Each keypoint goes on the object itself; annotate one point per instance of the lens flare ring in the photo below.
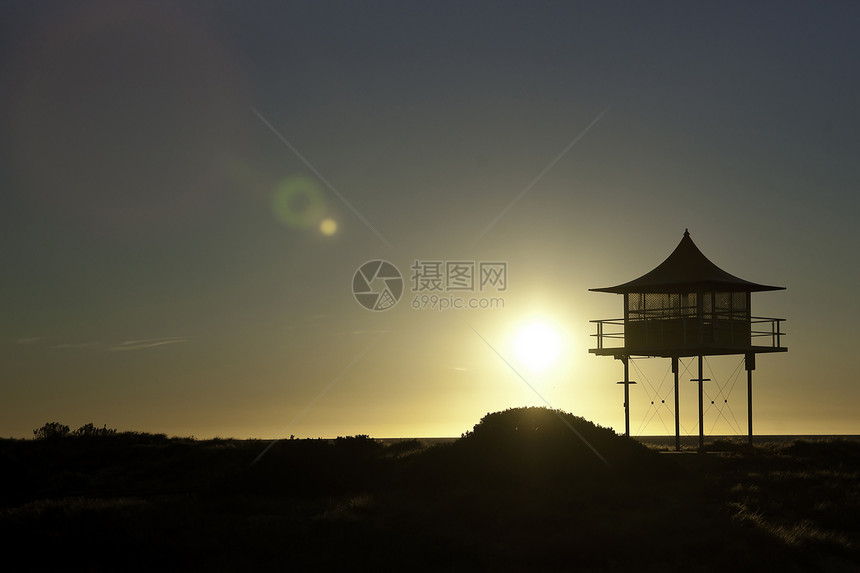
(298, 202)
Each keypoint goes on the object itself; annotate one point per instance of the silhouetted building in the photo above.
(687, 306)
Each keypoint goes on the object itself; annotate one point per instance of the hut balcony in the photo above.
(688, 336)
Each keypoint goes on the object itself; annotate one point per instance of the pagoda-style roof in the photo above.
(687, 270)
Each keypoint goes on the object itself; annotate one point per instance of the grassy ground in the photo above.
(520, 493)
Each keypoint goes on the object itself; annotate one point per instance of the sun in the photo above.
(537, 346)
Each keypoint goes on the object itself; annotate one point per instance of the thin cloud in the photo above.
(369, 331)
(149, 343)
(75, 345)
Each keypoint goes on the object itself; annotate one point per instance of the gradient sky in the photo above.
(149, 284)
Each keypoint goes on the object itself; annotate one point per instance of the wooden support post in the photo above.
(701, 409)
(677, 410)
(626, 396)
(701, 379)
(749, 361)
(627, 382)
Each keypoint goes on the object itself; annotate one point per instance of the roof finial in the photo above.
(686, 233)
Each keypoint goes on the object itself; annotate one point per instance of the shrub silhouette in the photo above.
(358, 449)
(315, 466)
(51, 431)
(536, 446)
(404, 448)
(90, 431)
(54, 430)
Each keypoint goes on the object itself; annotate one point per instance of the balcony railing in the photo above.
(762, 328)
(615, 334)
(679, 333)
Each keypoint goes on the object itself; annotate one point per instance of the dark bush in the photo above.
(90, 431)
(310, 467)
(404, 448)
(538, 447)
(361, 446)
(51, 431)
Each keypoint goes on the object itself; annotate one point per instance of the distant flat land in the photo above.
(693, 441)
(686, 441)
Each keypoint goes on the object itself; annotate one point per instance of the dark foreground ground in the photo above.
(519, 493)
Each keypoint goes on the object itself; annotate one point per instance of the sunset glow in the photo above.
(538, 346)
